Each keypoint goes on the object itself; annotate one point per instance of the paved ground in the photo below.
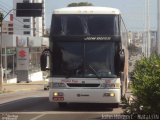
(28, 101)
(23, 86)
(35, 105)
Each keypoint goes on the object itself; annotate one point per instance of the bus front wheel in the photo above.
(115, 105)
(62, 105)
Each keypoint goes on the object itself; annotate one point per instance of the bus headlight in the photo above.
(109, 94)
(57, 85)
(55, 94)
(111, 85)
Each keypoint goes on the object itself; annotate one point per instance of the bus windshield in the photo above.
(88, 59)
(85, 25)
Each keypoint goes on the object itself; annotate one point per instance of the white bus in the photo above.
(88, 56)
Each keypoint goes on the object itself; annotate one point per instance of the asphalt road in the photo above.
(34, 105)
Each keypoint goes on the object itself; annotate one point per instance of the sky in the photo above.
(133, 11)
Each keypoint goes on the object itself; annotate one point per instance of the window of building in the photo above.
(26, 26)
(10, 33)
(10, 25)
(10, 29)
(26, 32)
(26, 20)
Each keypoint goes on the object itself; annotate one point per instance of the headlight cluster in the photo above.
(58, 94)
(111, 85)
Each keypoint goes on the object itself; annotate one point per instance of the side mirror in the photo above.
(122, 59)
(44, 61)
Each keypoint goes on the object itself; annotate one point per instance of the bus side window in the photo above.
(57, 27)
(74, 26)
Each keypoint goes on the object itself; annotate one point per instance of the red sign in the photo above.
(22, 58)
(22, 53)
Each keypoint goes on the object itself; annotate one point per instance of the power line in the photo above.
(4, 6)
(19, 20)
(7, 8)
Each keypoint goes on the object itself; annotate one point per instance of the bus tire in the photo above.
(62, 105)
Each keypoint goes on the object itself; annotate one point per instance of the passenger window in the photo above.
(100, 25)
(74, 26)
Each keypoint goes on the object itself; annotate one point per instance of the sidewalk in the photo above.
(14, 87)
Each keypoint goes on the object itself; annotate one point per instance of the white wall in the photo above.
(7, 41)
(33, 77)
(11, 41)
(45, 42)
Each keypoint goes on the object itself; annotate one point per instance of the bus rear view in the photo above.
(87, 56)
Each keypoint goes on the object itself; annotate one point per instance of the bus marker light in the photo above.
(106, 94)
(60, 94)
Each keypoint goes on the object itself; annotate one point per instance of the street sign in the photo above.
(29, 9)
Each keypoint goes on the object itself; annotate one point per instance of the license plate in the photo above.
(58, 98)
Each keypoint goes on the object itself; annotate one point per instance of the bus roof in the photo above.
(86, 10)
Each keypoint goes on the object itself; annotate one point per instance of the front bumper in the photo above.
(86, 95)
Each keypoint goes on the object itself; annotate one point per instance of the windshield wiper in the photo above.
(94, 71)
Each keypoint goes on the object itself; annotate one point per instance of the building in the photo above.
(28, 25)
(149, 46)
(10, 46)
(7, 26)
(18, 33)
(158, 27)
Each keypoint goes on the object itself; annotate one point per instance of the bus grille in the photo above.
(83, 85)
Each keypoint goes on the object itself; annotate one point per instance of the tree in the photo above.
(1, 18)
(80, 4)
(146, 86)
(72, 5)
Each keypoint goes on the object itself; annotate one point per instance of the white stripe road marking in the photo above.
(37, 117)
(60, 112)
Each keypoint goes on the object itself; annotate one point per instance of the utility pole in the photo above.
(148, 38)
(1, 67)
(34, 24)
(43, 24)
(1, 41)
(158, 27)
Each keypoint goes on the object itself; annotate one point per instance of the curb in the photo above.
(10, 88)
(25, 89)
(12, 91)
